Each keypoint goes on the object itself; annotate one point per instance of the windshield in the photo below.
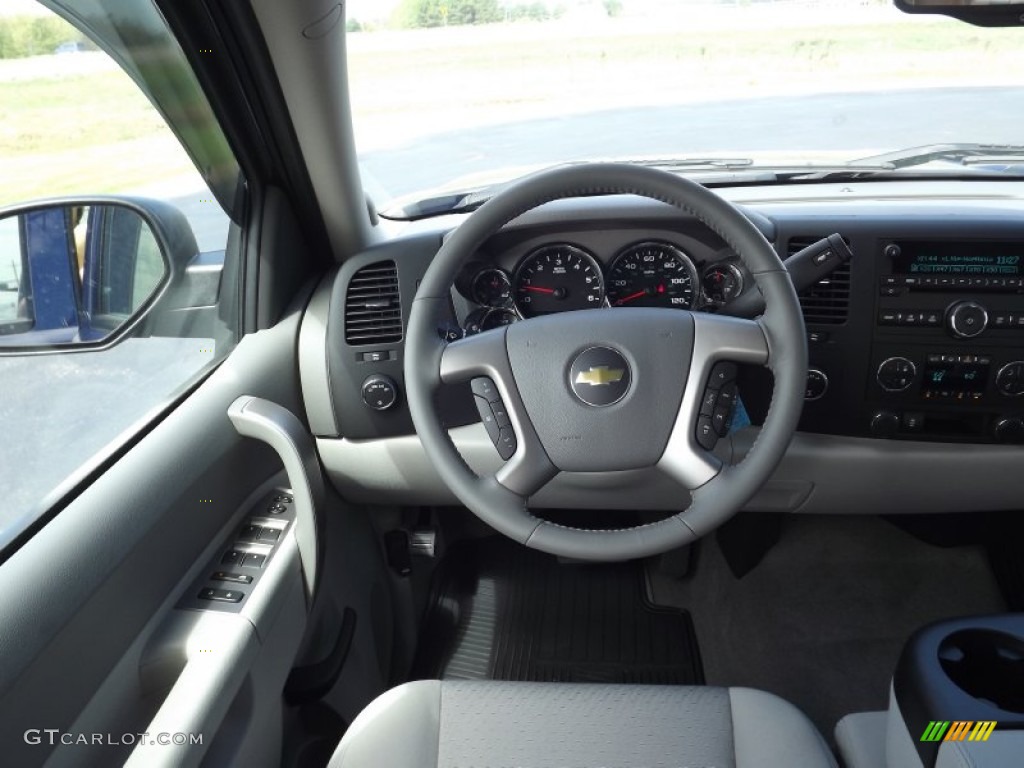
(460, 94)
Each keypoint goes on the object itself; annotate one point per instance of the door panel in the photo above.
(97, 583)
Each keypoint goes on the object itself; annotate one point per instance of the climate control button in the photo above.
(1010, 379)
(896, 374)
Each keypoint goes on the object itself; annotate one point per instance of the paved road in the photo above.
(853, 123)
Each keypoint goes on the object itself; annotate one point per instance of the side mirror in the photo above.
(85, 272)
(982, 13)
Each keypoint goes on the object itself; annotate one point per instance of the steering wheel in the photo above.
(576, 389)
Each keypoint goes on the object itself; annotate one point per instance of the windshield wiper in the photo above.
(965, 154)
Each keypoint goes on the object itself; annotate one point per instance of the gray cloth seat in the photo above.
(485, 724)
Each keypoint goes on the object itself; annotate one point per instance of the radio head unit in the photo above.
(952, 259)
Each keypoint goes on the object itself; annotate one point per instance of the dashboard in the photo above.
(916, 345)
(596, 269)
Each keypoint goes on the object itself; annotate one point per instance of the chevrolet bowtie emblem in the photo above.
(600, 376)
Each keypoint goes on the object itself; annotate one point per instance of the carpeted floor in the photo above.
(823, 617)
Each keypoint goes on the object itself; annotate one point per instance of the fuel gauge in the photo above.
(722, 283)
(491, 287)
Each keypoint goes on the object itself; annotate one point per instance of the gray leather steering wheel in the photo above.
(539, 367)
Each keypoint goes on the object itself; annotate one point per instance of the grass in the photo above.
(96, 133)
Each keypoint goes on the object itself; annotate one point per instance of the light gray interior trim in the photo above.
(819, 474)
(402, 724)
(314, 365)
(900, 751)
(769, 732)
(861, 739)
(906, 476)
(281, 430)
(220, 649)
(306, 41)
(1004, 748)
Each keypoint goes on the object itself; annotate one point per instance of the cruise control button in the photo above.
(727, 397)
(721, 374)
(487, 418)
(706, 437)
(506, 443)
(720, 420)
(485, 388)
(707, 406)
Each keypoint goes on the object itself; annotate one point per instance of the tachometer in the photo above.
(557, 278)
(652, 275)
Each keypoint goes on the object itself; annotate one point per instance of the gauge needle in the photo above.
(631, 297)
(538, 289)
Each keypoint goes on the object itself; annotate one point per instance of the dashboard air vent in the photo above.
(373, 310)
(827, 301)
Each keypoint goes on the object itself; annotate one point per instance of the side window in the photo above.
(120, 281)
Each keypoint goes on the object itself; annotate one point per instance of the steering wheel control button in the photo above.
(722, 374)
(1010, 379)
(600, 376)
(817, 385)
(706, 437)
(721, 419)
(500, 414)
(506, 443)
(487, 418)
(896, 374)
(967, 319)
(484, 387)
(707, 405)
(379, 392)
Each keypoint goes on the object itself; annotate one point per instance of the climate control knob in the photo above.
(1010, 379)
(1009, 430)
(896, 374)
(966, 319)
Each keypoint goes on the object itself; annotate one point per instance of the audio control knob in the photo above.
(896, 374)
(966, 319)
(1010, 379)
(379, 392)
(1009, 430)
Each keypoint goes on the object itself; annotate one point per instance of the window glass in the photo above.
(75, 123)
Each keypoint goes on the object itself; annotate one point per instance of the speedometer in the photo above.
(557, 278)
(652, 275)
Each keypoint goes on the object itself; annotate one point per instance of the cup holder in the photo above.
(986, 664)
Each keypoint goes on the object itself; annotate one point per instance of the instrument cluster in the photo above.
(559, 277)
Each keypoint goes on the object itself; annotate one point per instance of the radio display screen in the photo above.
(960, 259)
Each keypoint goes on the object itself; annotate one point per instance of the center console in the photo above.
(947, 352)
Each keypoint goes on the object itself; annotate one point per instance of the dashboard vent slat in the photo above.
(373, 306)
(827, 302)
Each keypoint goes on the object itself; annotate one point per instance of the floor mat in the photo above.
(504, 612)
(821, 621)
